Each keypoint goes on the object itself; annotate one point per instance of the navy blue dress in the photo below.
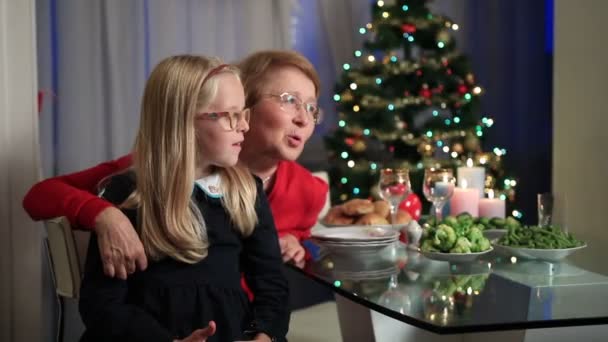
(170, 299)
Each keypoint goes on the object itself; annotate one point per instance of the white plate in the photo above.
(356, 233)
(355, 244)
(535, 253)
(454, 257)
(385, 226)
(494, 234)
(356, 250)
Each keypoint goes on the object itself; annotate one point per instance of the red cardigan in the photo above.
(296, 198)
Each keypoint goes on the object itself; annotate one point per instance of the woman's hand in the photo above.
(200, 335)
(292, 250)
(121, 250)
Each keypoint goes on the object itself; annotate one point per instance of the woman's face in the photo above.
(218, 144)
(278, 129)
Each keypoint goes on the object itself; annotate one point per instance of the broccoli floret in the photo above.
(428, 231)
(485, 221)
(497, 222)
(481, 245)
(475, 234)
(427, 246)
(445, 237)
(450, 221)
(465, 218)
(463, 245)
(512, 222)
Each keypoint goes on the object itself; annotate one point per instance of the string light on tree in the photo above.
(410, 97)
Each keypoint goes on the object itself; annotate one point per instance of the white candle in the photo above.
(474, 176)
(491, 207)
(465, 200)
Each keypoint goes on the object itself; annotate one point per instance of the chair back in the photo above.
(63, 258)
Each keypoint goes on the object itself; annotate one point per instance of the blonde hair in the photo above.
(255, 68)
(164, 160)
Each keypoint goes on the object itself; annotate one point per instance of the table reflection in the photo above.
(493, 291)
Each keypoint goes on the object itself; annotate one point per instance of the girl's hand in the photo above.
(200, 335)
(261, 337)
(121, 250)
(292, 250)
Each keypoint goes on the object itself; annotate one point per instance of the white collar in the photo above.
(211, 185)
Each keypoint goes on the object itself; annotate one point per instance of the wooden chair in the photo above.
(65, 264)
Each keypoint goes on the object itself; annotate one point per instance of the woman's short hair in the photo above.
(255, 67)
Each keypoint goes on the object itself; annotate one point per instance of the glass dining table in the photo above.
(399, 294)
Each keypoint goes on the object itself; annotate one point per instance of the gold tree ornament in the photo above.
(359, 146)
(426, 149)
(444, 36)
(471, 143)
(347, 96)
(457, 147)
(470, 78)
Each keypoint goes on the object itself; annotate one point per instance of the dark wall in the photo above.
(510, 46)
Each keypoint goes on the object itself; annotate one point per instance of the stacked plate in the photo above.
(355, 239)
(396, 227)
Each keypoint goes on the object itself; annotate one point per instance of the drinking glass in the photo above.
(395, 298)
(545, 209)
(394, 186)
(438, 187)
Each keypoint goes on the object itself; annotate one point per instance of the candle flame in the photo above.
(463, 183)
(470, 162)
(490, 193)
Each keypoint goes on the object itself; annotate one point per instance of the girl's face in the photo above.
(280, 126)
(219, 142)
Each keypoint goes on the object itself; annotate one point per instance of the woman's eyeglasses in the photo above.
(228, 120)
(291, 103)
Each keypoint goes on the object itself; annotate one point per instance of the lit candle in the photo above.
(465, 200)
(474, 176)
(491, 207)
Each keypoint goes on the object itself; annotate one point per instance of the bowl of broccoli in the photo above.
(454, 239)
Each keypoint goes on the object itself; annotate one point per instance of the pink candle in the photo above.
(465, 200)
(491, 207)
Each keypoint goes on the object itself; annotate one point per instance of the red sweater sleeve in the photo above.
(296, 200)
(72, 195)
(317, 195)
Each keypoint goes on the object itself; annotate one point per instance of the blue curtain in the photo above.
(510, 44)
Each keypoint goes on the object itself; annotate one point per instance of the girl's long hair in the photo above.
(165, 156)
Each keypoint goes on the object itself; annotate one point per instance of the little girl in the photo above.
(203, 220)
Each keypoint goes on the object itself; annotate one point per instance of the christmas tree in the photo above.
(408, 99)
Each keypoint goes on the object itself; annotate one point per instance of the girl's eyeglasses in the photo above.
(228, 120)
(291, 103)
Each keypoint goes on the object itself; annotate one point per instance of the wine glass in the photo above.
(438, 187)
(395, 298)
(394, 186)
(545, 209)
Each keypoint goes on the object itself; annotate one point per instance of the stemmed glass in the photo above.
(394, 298)
(394, 186)
(545, 209)
(438, 187)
